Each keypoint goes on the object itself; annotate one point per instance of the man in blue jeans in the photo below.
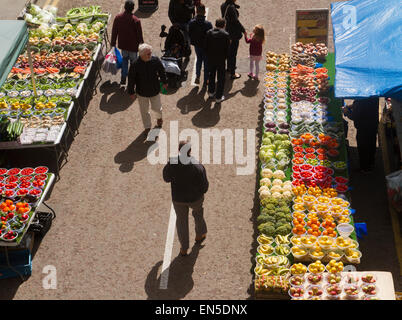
(128, 32)
(198, 28)
(216, 47)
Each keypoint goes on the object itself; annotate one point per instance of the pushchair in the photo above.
(176, 48)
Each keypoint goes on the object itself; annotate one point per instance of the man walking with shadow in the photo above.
(189, 183)
(216, 48)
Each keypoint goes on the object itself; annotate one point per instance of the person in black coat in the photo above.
(181, 12)
(365, 116)
(236, 30)
(189, 183)
(216, 48)
(198, 28)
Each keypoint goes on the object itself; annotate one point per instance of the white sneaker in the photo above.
(211, 95)
(220, 100)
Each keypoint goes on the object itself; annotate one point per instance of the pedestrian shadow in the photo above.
(135, 152)
(208, 116)
(193, 101)
(250, 88)
(114, 98)
(143, 14)
(180, 281)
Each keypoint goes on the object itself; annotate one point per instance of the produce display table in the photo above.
(49, 182)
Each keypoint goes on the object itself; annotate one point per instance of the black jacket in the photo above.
(180, 12)
(188, 181)
(144, 77)
(231, 15)
(217, 46)
(198, 28)
(365, 114)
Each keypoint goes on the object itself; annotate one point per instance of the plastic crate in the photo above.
(20, 260)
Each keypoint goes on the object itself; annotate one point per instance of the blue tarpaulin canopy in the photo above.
(368, 48)
(13, 38)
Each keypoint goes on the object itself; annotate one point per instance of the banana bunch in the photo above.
(265, 249)
(260, 260)
(282, 239)
(283, 261)
(263, 239)
(282, 250)
(261, 270)
(271, 260)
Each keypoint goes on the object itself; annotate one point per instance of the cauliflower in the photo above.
(266, 173)
(286, 187)
(288, 194)
(279, 174)
(262, 188)
(265, 193)
(287, 183)
(265, 182)
(276, 195)
(277, 182)
(276, 189)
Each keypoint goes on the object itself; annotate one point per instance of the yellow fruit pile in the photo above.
(334, 267)
(316, 267)
(298, 268)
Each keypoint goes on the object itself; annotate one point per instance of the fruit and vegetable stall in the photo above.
(305, 225)
(35, 107)
(36, 99)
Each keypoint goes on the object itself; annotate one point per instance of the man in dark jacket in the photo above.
(180, 12)
(189, 183)
(127, 30)
(216, 48)
(198, 28)
(236, 30)
(144, 79)
(365, 116)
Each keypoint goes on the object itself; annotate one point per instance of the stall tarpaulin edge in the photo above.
(367, 42)
(13, 37)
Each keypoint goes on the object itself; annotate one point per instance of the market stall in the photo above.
(43, 78)
(306, 221)
(35, 106)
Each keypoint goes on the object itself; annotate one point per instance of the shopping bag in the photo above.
(110, 63)
(394, 189)
(119, 58)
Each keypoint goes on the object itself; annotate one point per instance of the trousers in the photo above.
(182, 210)
(156, 107)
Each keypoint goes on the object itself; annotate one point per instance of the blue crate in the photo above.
(20, 260)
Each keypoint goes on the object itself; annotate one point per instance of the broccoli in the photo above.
(263, 218)
(280, 215)
(280, 222)
(283, 230)
(284, 209)
(289, 218)
(269, 200)
(267, 228)
(270, 207)
(269, 212)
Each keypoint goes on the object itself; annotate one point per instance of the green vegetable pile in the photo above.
(275, 217)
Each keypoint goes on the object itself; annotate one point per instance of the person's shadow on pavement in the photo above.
(208, 116)
(118, 101)
(193, 101)
(250, 88)
(135, 152)
(180, 280)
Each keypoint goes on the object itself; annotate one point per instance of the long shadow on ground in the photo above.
(135, 152)
(114, 98)
(180, 281)
(255, 211)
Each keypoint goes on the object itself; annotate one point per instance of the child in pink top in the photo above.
(256, 40)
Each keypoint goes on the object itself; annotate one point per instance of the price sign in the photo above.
(312, 26)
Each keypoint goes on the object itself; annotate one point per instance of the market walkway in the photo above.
(113, 207)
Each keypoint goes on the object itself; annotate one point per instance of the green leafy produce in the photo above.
(284, 229)
(267, 228)
(263, 218)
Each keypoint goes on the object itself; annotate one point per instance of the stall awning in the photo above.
(368, 48)
(13, 38)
